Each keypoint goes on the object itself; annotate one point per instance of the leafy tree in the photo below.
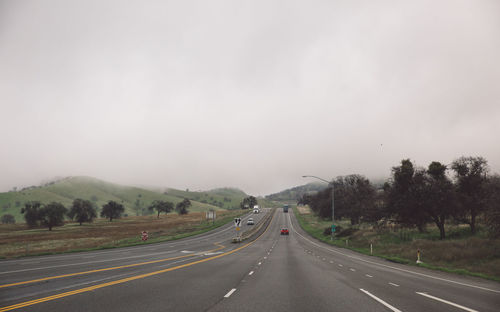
(161, 206)
(440, 196)
(112, 210)
(355, 196)
(137, 206)
(471, 175)
(8, 219)
(250, 201)
(405, 196)
(82, 211)
(182, 207)
(52, 215)
(31, 212)
(492, 213)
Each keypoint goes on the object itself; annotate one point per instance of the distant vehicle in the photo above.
(256, 209)
(284, 231)
(250, 221)
(285, 208)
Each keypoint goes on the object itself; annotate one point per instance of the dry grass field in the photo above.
(18, 240)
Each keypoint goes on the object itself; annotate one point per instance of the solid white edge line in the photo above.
(391, 267)
(251, 272)
(368, 275)
(230, 293)
(396, 285)
(380, 300)
(447, 302)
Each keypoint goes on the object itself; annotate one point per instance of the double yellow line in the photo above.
(120, 281)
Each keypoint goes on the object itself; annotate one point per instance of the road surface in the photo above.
(209, 273)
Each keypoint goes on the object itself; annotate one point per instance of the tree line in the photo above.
(462, 191)
(53, 214)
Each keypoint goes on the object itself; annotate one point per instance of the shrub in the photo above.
(8, 219)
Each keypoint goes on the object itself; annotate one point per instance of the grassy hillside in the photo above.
(227, 198)
(99, 192)
(293, 194)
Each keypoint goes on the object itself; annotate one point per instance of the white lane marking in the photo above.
(448, 302)
(395, 285)
(251, 272)
(265, 257)
(331, 261)
(187, 251)
(324, 259)
(259, 263)
(340, 265)
(368, 275)
(212, 253)
(391, 267)
(380, 300)
(230, 293)
(352, 269)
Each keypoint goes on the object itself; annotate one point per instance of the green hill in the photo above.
(293, 194)
(226, 198)
(136, 200)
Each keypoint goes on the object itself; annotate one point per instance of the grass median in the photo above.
(19, 241)
(461, 253)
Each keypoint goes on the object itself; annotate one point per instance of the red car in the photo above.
(284, 231)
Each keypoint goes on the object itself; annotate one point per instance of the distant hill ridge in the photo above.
(294, 193)
(134, 199)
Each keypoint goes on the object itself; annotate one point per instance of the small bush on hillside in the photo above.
(327, 231)
(346, 232)
(8, 219)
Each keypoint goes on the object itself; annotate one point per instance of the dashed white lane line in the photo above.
(251, 272)
(368, 275)
(265, 258)
(230, 293)
(380, 300)
(447, 302)
(340, 265)
(331, 261)
(352, 269)
(395, 285)
(259, 263)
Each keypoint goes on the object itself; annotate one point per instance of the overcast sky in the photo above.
(248, 94)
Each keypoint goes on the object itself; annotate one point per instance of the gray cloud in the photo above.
(202, 94)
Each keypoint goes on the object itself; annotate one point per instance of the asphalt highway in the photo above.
(273, 272)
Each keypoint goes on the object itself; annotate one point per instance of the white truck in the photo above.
(256, 209)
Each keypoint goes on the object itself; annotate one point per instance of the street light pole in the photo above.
(333, 192)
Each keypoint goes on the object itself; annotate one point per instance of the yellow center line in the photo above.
(107, 269)
(128, 279)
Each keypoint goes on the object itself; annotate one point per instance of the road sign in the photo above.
(237, 222)
(333, 227)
